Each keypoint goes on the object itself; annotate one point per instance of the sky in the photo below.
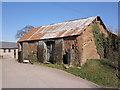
(16, 15)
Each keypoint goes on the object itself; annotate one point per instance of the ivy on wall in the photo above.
(112, 47)
(99, 39)
(106, 47)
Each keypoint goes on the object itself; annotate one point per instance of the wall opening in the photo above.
(9, 50)
(50, 51)
(4, 50)
(66, 58)
(14, 53)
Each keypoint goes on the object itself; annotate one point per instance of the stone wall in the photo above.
(58, 53)
(32, 49)
(89, 50)
(25, 50)
(29, 50)
(42, 52)
(83, 47)
(72, 46)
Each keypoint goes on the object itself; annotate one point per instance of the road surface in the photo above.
(19, 75)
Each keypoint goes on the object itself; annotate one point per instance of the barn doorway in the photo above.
(50, 51)
(66, 58)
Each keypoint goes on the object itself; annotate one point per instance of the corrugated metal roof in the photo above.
(64, 29)
(8, 45)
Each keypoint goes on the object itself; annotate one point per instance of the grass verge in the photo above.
(99, 71)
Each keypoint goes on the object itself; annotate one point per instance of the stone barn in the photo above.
(72, 42)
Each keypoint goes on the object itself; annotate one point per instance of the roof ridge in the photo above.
(68, 21)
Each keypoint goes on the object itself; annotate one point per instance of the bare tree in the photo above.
(22, 31)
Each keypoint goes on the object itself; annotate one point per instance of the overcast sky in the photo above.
(17, 15)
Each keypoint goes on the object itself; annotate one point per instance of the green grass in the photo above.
(101, 72)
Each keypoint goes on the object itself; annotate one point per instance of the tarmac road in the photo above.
(19, 75)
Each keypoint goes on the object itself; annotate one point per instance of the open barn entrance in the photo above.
(50, 51)
(66, 58)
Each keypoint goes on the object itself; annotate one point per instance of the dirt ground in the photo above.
(19, 75)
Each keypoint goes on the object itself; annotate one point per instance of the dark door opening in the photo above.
(66, 58)
(14, 53)
(50, 51)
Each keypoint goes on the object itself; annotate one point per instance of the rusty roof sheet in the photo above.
(58, 30)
